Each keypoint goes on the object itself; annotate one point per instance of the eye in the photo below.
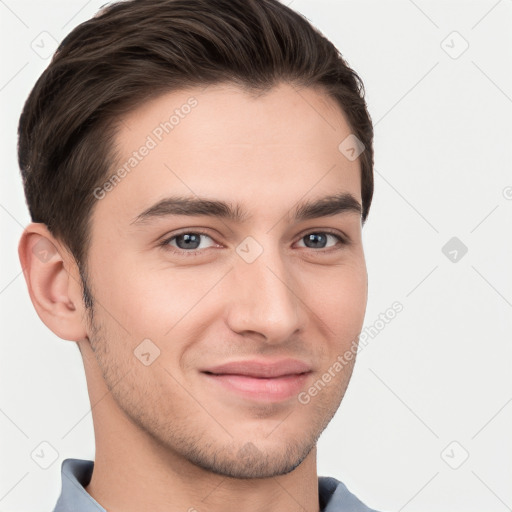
(319, 239)
(188, 243)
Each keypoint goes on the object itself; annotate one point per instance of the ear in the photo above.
(53, 282)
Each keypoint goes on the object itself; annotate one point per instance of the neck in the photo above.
(133, 471)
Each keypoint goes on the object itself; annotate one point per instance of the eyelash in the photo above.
(164, 243)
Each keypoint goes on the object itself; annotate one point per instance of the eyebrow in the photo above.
(193, 206)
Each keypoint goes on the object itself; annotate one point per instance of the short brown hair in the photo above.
(135, 50)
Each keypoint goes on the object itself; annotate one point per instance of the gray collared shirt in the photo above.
(76, 474)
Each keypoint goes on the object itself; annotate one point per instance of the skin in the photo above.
(166, 438)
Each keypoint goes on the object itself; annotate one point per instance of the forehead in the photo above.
(268, 149)
(228, 114)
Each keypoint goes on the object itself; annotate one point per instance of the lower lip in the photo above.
(270, 390)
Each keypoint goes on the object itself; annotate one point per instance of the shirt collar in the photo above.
(76, 475)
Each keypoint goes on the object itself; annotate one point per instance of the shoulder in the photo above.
(335, 497)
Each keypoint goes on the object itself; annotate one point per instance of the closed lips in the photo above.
(261, 369)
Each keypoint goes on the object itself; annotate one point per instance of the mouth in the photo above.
(261, 380)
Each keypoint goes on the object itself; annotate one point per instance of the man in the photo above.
(198, 174)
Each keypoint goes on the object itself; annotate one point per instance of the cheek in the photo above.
(338, 298)
(159, 303)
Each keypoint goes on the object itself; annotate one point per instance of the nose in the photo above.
(264, 298)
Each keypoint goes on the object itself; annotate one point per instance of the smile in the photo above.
(260, 380)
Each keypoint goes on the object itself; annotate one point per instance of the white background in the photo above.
(441, 370)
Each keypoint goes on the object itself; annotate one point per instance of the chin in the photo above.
(250, 462)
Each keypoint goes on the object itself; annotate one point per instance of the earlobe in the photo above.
(54, 289)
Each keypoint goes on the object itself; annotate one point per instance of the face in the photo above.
(216, 322)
